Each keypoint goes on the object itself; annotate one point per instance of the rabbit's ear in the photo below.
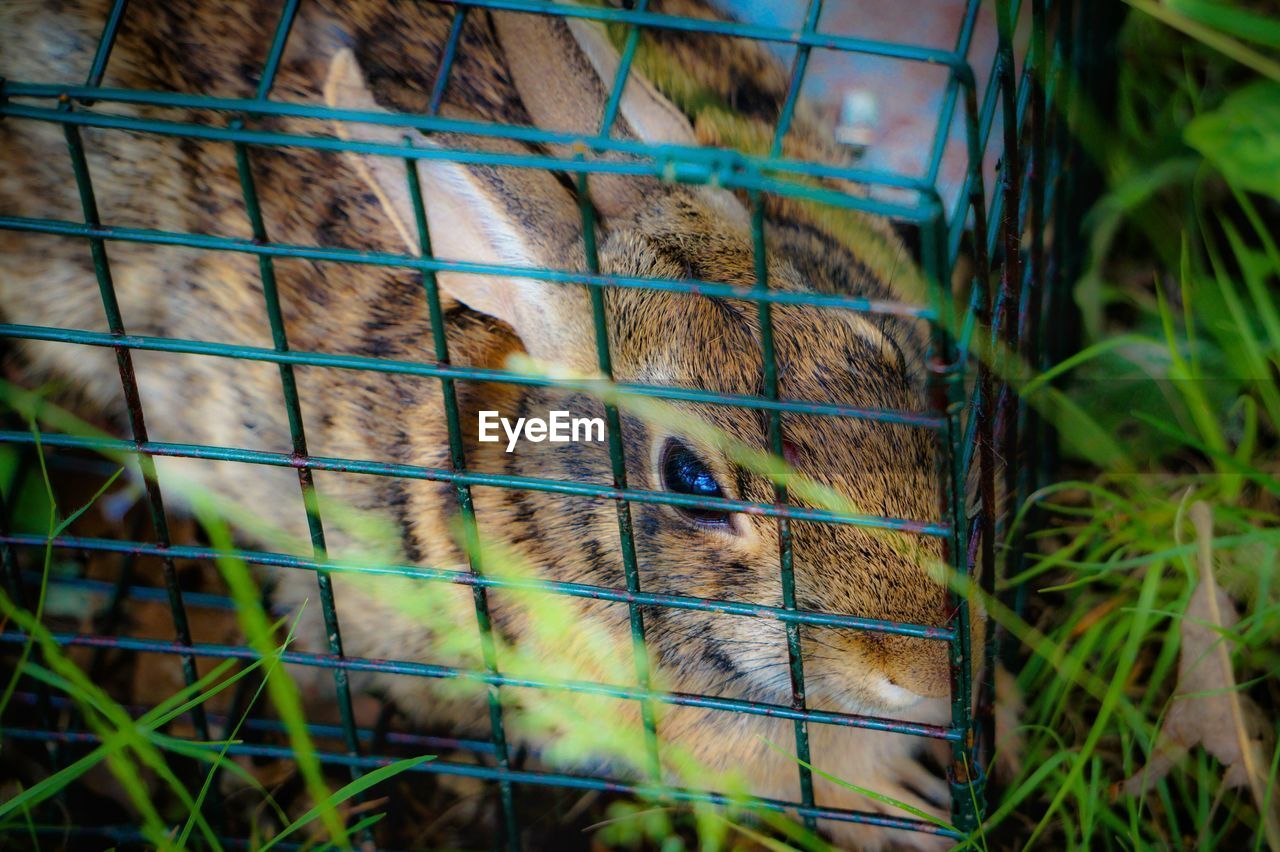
(564, 72)
(484, 215)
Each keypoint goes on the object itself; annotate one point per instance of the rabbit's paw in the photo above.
(910, 783)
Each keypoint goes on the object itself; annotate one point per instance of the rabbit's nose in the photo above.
(918, 665)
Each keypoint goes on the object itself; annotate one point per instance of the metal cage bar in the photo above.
(129, 383)
(297, 434)
(573, 782)
(438, 370)
(462, 493)
(494, 680)
(408, 471)
(618, 470)
(581, 590)
(786, 557)
(786, 567)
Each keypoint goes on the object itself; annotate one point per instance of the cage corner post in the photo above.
(946, 401)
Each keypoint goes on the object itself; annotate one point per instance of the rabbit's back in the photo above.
(158, 182)
(165, 182)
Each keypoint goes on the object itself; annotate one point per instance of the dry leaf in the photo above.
(1207, 709)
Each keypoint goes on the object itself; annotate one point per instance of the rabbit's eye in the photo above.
(684, 473)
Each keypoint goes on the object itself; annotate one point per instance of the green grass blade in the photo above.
(1220, 42)
(213, 770)
(283, 690)
(70, 519)
(354, 788)
(50, 785)
(90, 696)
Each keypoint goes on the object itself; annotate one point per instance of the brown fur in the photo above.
(315, 198)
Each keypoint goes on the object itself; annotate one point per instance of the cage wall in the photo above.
(986, 197)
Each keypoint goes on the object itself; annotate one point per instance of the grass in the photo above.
(135, 748)
(1180, 363)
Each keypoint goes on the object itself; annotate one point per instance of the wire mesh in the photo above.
(1017, 292)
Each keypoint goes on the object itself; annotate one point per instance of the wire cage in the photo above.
(998, 169)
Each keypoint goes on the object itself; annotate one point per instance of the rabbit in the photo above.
(552, 73)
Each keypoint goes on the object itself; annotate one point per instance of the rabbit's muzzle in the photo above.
(919, 667)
